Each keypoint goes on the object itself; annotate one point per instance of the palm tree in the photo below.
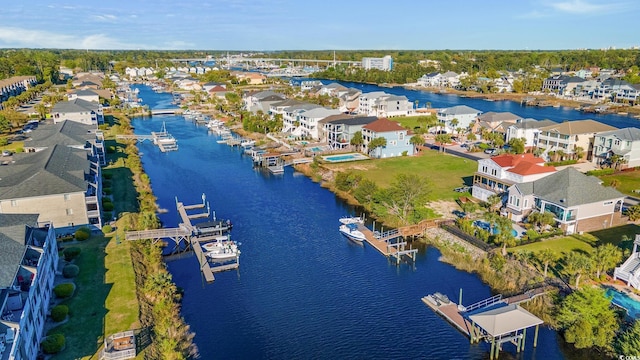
(416, 140)
(454, 123)
(605, 257)
(357, 140)
(547, 256)
(376, 143)
(579, 152)
(578, 264)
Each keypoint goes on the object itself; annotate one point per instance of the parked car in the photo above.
(6, 153)
(491, 151)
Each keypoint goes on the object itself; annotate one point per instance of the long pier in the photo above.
(383, 243)
(162, 139)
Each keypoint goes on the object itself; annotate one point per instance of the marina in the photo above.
(165, 141)
(302, 284)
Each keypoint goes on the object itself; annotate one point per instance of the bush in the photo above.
(107, 228)
(600, 172)
(562, 163)
(63, 291)
(70, 271)
(53, 344)
(82, 234)
(107, 175)
(107, 191)
(71, 253)
(107, 206)
(4, 141)
(59, 313)
(106, 216)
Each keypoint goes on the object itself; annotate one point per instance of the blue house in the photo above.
(397, 139)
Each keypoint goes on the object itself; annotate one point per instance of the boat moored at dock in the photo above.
(351, 231)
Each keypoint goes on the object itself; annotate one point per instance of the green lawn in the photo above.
(627, 182)
(560, 246)
(410, 122)
(105, 301)
(615, 235)
(445, 172)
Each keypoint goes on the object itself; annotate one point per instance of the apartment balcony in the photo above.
(93, 214)
(90, 200)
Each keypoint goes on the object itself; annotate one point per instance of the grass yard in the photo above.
(445, 172)
(628, 182)
(560, 246)
(105, 301)
(410, 122)
(614, 235)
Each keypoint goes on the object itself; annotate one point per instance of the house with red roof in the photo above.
(397, 138)
(496, 174)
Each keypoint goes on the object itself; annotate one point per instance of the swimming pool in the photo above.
(344, 157)
(623, 300)
(485, 226)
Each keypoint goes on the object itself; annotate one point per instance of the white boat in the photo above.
(225, 250)
(351, 220)
(351, 231)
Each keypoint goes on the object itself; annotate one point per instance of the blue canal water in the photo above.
(302, 290)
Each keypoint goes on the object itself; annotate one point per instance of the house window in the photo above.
(494, 172)
(14, 202)
(67, 197)
(400, 136)
(69, 211)
(526, 203)
(518, 202)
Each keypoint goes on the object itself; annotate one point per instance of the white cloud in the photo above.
(20, 37)
(586, 7)
(105, 18)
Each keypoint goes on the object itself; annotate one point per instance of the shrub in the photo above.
(71, 253)
(70, 271)
(63, 291)
(107, 175)
(59, 313)
(107, 191)
(106, 215)
(53, 344)
(82, 234)
(107, 228)
(4, 142)
(107, 206)
(600, 172)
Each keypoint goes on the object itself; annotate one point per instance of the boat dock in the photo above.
(165, 141)
(385, 244)
(493, 320)
(188, 236)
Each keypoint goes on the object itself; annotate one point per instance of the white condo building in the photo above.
(384, 63)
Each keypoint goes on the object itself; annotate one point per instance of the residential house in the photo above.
(252, 78)
(397, 138)
(384, 63)
(561, 84)
(187, 83)
(528, 130)
(309, 120)
(86, 95)
(571, 136)
(338, 130)
(379, 103)
(430, 80)
(450, 79)
(465, 116)
(261, 100)
(618, 91)
(218, 91)
(495, 121)
(350, 101)
(577, 201)
(496, 174)
(584, 73)
(207, 87)
(291, 122)
(62, 184)
(586, 88)
(15, 85)
(28, 268)
(623, 142)
(333, 90)
(78, 110)
(310, 84)
(503, 84)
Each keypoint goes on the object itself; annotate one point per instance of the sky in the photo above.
(265, 25)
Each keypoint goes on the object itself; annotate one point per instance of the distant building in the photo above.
(337, 130)
(82, 111)
(464, 115)
(571, 135)
(528, 130)
(624, 143)
(381, 104)
(384, 63)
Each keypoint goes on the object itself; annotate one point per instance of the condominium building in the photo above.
(384, 63)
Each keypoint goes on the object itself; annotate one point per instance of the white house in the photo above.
(527, 129)
(465, 116)
(381, 104)
(571, 136)
(623, 142)
(79, 110)
(86, 95)
(496, 174)
(309, 120)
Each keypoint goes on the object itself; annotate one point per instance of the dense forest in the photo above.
(45, 63)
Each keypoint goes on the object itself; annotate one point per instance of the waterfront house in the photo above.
(397, 139)
(381, 104)
(310, 84)
(308, 121)
(28, 267)
(528, 130)
(251, 78)
(350, 101)
(430, 80)
(208, 86)
(338, 130)
(623, 142)
(291, 122)
(618, 91)
(561, 84)
(78, 110)
(188, 83)
(218, 91)
(261, 100)
(60, 183)
(584, 73)
(494, 121)
(465, 115)
(496, 174)
(333, 90)
(577, 201)
(570, 136)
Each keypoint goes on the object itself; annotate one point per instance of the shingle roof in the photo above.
(505, 320)
(12, 242)
(578, 127)
(627, 134)
(459, 110)
(348, 119)
(529, 123)
(492, 116)
(319, 113)
(67, 133)
(569, 187)
(383, 125)
(75, 106)
(55, 170)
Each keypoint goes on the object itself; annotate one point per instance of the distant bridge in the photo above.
(264, 60)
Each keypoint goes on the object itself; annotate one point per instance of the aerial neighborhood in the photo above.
(495, 189)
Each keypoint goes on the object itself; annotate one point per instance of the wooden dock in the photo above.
(450, 313)
(383, 243)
